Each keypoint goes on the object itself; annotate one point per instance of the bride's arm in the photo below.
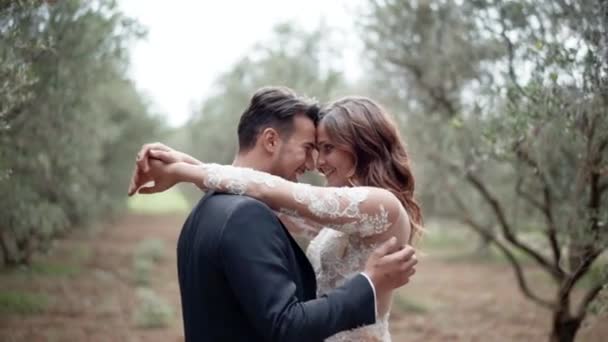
(364, 210)
(299, 227)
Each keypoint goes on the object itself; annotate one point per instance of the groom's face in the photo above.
(295, 155)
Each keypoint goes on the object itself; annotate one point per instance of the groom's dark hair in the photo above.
(273, 107)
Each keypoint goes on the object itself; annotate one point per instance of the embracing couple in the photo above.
(242, 275)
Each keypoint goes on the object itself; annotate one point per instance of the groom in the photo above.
(242, 276)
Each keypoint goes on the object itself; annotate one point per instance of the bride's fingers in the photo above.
(142, 155)
(142, 159)
(130, 191)
(157, 146)
(138, 180)
(165, 157)
(134, 179)
(150, 189)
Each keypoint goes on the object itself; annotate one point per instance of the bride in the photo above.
(369, 197)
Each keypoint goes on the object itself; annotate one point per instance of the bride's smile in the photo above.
(335, 163)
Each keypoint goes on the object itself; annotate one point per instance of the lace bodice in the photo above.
(336, 257)
(343, 221)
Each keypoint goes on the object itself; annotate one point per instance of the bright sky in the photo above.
(190, 42)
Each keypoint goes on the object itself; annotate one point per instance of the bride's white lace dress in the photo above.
(336, 257)
(343, 221)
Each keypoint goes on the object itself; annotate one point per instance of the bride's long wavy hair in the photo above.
(360, 125)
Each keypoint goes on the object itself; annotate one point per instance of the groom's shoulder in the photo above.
(232, 204)
(241, 214)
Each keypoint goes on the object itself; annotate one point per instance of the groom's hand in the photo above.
(391, 266)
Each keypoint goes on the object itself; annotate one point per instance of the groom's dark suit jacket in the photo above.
(243, 278)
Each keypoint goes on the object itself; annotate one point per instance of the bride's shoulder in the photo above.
(391, 208)
(378, 197)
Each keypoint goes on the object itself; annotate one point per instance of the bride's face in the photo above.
(337, 164)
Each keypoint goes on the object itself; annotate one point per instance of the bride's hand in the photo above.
(169, 155)
(164, 175)
(142, 166)
(166, 171)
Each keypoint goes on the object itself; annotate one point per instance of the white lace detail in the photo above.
(367, 225)
(343, 203)
(234, 180)
(331, 204)
(336, 208)
(297, 225)
(337, 257)
(377, 332)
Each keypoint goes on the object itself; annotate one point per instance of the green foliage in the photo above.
(142, 270)
(54, 269)
(152, 249)
(505, 105)
(22, 303)
(406, 304)
(69, 120)
(600, 306)
(597, 274)
(152, 310)
(443, 235)
(147, 254)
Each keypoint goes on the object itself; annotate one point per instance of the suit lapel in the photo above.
(307, 273)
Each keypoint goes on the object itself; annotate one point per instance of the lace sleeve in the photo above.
(364, 210)
(299, 226)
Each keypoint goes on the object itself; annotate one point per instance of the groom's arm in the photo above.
(254, 253)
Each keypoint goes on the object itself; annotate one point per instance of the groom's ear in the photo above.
(270, 139)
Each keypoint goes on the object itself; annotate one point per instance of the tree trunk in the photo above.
(3, 254)
(10, 250)
(564, 327)
(483, 247)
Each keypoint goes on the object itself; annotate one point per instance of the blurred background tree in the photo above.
(506, 104)
(503, 104)
(69, 119)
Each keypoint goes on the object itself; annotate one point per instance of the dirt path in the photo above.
(465, 300)
(447, 301)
